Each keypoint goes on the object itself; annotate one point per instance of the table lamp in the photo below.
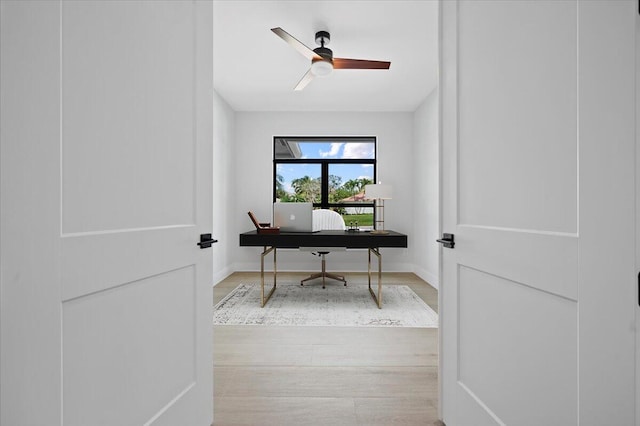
(378, 192)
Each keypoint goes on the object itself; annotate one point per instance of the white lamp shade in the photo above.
(379, 191)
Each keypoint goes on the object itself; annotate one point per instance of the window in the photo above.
(330, 172)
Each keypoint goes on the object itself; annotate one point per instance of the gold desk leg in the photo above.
(378, 298)
(275, 273)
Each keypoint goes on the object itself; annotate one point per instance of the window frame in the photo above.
(324, 167)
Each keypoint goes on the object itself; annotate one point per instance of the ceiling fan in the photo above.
(322, 60)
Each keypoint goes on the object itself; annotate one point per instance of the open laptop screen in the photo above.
(293, 217)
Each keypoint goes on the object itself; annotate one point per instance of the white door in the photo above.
(538, 294)
(638, 217)
(106, 111)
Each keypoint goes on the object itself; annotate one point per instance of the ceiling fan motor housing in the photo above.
(323, 38)
(325, 53)
(322, 65)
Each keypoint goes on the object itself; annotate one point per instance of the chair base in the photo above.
(324, 274)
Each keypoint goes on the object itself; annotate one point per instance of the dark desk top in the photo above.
(346, 239)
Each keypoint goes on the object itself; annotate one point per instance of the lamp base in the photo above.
(379, 232)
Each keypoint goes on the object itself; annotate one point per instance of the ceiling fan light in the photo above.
(321, 68)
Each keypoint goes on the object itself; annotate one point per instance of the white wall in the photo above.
(253, 180)
(426, 206)
(224, 189)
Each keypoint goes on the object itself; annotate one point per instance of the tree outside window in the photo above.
(329, 172)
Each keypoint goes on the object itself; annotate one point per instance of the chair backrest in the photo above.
(324, 219)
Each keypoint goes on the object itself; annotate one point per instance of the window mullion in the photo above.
(324, 198)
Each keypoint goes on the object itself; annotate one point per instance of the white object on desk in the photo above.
(379, 193)
(293, 217)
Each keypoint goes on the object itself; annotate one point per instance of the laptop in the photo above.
(293, 217)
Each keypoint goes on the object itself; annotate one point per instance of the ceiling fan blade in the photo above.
(360, 64)
(306, 79)
(295, 43)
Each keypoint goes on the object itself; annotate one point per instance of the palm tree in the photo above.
(280, 192)
(306, 188)
(355, 186)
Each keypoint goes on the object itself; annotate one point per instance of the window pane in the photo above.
(347, 181)
(357, 217)
(360, 217)
(298, 182)
(324, 148)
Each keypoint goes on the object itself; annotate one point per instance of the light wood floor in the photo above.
(269, 375)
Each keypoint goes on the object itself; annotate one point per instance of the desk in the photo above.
(346, 239)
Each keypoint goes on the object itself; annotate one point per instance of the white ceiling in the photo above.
(254, 70)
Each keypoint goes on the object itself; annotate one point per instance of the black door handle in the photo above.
(206, 241)
(448, 240)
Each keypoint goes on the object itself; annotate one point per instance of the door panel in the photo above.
(517, 103)
(517, 255)
(121, 191)
(106, 340)
(137, 254)
(534, 189)
(136, 147)
(128, 123)
(502, 323)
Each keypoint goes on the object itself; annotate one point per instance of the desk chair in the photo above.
(326, 220)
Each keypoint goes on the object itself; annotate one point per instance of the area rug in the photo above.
(350, 306)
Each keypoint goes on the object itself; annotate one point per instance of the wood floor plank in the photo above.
(256, 354)
(222, 376)
(374, 355)
(269, 411)
(342, 382)
(396, 411)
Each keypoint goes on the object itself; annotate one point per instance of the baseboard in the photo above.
(429, 277)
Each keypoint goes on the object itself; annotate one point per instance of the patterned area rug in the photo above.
(334, 306)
